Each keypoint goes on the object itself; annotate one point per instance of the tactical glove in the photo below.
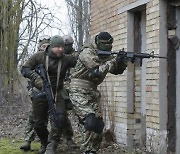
(36, 80)
(120, 59)
(38, 83)
(120, 65)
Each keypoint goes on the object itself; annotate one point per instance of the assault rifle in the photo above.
(129, 56)
(40, 69)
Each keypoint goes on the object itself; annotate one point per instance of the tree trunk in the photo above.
(79, 15)
(9, 26)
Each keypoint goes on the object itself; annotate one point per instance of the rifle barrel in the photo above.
(130, 54)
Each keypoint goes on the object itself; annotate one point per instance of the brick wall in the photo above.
(108, 15)
(114, 106)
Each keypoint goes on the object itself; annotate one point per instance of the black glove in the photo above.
(120, 59)
(120, 65)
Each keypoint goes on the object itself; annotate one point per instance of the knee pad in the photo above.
(61, 120)
(93, 123)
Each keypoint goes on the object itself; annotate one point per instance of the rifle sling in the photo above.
(58, 75)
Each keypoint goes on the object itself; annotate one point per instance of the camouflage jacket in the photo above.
(71, 70)
(89, 60)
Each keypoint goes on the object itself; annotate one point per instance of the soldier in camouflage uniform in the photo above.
(29, 131)
(90, 71)
(43, 42)
(29, 134)
(69, 51)
(56, 64)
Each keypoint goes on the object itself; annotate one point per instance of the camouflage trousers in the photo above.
(86, 101)
(30, 134)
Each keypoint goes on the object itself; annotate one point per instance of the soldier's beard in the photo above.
(55, 55)
(58, 54)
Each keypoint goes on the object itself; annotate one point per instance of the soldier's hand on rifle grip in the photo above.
(37, 81)
(120, 59)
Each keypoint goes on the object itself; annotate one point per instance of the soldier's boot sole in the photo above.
(26, 146)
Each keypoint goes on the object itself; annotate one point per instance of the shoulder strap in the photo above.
(58, 76)
(58, 73)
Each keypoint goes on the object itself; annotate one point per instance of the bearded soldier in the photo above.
(29, 131)
(89, 72)
(56, 64)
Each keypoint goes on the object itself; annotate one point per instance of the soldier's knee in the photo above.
(93, 123)
(40, 125)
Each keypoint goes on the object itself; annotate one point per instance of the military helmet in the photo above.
(104, 37)
(104, 41)
(68, 48)
(43, 42)
(68, 39)
(56, 41)
(44, 39)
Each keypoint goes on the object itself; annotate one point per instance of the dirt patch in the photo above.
(14, 110)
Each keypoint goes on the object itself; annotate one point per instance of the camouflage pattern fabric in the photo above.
(68, 131)
(88, 60)
(30, 133)
(69, 71)
(87, 99)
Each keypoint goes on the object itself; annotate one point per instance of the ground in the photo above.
(14, 109)
(11, 146)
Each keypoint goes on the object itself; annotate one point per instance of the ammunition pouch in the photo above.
(65, 95)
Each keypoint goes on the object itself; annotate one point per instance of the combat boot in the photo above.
(26, 146)
(51, 147)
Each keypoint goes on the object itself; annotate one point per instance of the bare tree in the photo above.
(10, 18)
(36, 19)
(21, 22)
(79, 16)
